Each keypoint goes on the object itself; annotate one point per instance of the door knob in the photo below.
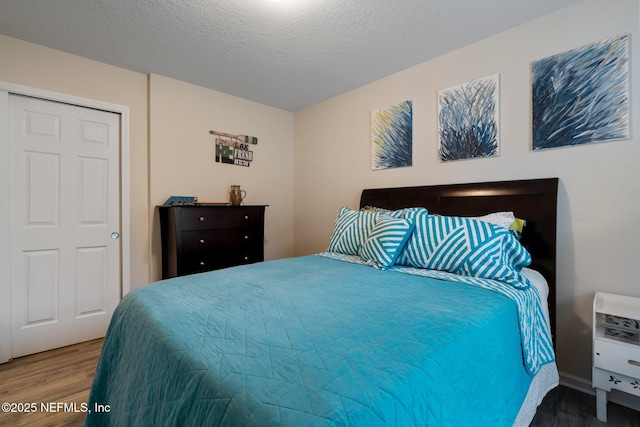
(115, 235)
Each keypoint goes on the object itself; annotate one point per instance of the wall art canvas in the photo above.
(582, 95)
(392, 136)
(468, 120)
(234, 149)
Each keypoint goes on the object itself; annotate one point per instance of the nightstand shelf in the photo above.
(616, 347)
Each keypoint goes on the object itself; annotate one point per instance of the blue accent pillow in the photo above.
(467, 247)
(351, 230)
(385, 241)
(419, 217)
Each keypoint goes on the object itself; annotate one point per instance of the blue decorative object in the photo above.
(582, 95)
(181, 200)
(392, 136)
(468, 116)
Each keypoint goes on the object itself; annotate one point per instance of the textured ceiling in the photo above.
(289, 54)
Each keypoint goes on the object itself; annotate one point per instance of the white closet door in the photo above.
(65, 223)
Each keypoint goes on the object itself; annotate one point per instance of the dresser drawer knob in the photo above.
(246, 217)
(246, 237)
(201, 218)
(633, 362)
(202, 263)
(246, 258)
(201, 240)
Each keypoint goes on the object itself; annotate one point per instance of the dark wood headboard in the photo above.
(534, 200)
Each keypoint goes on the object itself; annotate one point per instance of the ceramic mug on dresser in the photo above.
(236, 195)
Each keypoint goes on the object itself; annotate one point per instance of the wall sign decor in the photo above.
(582, 95)
(234, 149)
(468, 120)
(392, 136)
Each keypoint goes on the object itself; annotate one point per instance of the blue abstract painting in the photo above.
(392, 136)
(582, 95)
(468, 120)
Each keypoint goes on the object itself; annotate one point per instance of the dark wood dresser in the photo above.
(206, 237)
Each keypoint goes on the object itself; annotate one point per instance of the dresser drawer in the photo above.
(231, 239)
(197, 218)
(619, 358)
(215, 259)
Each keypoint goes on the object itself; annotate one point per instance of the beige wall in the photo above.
(32, 65)
(182, 156)
(599, 197)
(171, 150)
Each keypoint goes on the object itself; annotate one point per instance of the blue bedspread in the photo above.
(310, 341)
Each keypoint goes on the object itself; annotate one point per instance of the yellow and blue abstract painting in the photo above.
(392, 136)
(468, 120)
(582, 95)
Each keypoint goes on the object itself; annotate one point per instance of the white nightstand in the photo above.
(616, 347)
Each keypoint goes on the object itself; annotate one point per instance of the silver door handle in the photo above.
(115, 235)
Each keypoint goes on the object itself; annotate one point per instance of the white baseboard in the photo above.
(583, 385)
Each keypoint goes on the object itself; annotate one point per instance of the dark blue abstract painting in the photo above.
(392, 136)
(468, 117)
(582, 95)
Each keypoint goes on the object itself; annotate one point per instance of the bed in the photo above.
(340, 339)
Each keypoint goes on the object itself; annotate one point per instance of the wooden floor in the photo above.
(62, 375)
(65, 375)
(566, 407)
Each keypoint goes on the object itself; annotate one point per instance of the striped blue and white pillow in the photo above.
(411, 250)
(386, 241)
(468, 247)
(351, 230)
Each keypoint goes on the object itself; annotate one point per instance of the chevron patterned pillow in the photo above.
(351, 230)
(467, 247)
(385, 241)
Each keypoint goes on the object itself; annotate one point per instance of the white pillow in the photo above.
(501, 219)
